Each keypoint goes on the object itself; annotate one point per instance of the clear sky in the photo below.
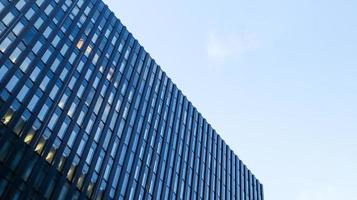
(277, 80)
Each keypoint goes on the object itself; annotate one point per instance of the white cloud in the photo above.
(221, 47)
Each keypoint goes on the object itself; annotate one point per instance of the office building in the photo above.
(86, 113)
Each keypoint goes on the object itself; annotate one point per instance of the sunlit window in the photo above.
(80, 44)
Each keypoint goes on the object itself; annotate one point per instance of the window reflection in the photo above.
(7, 117)
(29, 136)
(80, 44)
(39, 146)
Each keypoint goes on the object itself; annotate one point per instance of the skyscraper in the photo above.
(87, 113)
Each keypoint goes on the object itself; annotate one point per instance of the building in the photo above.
(87, 113)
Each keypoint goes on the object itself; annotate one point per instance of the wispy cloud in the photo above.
(223, 46)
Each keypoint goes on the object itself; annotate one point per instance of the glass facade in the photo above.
(87, 113)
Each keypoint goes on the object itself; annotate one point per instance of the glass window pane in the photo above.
(12, 83)
(8, 18)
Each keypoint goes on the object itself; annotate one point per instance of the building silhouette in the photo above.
(87, 113)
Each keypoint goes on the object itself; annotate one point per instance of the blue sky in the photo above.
(276, 79)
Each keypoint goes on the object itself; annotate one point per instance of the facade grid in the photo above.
(87, 113)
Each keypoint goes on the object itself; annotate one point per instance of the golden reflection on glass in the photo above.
(50, 155)
(39, 146)
(80, 181)
(7, 117)
(70, 172)
(90, 189)
(29, 136)
(80, 44)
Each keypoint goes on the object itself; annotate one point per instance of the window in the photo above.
(122, 155)
(44, 110)
(55, 64)
(34, 100)
(18, 28)
(64, 98)
(36, 48)
(47, 55)
(88, 50)
(110, 74)
(29, 13)
(107, 138)
(39, 23)
(116, 179)
(113, 120)
(39, 2)
(81, 90)
(72, 82)
(98, 104)
(114, 148)
(101, 69)
(64, 49)
(91, 153)
(73, 107)
(35, 73)
(7, 41)
(127, 53)
(73, 136)
(81, 116)
(47, 32)
(82, 144)
(63, 127)
(64, 73)
(98, 132)
(12, 83)
(80, 65)
(24, 90)
(89, 72)
(54, 91)
(72, 57)
(95, 58)
(15, 54)
(96, 81)
(104, 88)
(55, 40)
(106, 112)
(2, 6)
(44, 83)
(8, 18)
(90, 96)
(20, 4)
(75, 10)
(3, 71)
(100, 160)
(131, 93)
(111, 97)
(126, 110)
(54, 118)
(107, 169)
(90, 123)
(116, 82)
(48, 9)
(25, 64)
